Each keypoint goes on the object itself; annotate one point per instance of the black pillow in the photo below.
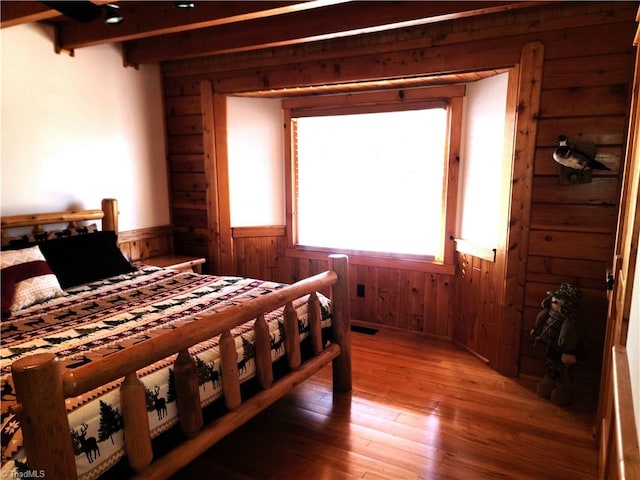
(85, 258)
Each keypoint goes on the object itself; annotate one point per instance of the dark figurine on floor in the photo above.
(557, 326)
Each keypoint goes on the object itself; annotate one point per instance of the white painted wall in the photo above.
(255, 142)
(77, 129)
(481, 161)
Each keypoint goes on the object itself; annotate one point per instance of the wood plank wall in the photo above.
(146, 242)
(396, 298)
(586, 95)
(586, 87)
(475, 302)
(189, 185)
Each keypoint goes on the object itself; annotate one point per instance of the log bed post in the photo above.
(341, 323)
(229, 371)
(314, 318)
(110, 219)
(264, 369)
(135, 423)
(291, 337)
(187, 393)
(43, 416)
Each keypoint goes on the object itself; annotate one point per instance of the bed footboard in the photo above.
(41, 387)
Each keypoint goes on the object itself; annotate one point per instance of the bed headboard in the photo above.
(108, 213)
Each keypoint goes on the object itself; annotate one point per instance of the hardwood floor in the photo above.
(419, 409)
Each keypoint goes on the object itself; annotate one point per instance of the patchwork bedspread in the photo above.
(98, 319)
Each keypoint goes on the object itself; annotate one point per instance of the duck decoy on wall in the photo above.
(576, 164)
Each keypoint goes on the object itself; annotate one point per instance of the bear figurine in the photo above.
(557, 327)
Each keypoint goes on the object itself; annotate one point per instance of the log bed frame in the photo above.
(41, 386)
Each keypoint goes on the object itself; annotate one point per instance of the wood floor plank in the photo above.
(419, 409)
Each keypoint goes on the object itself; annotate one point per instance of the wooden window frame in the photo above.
(379, 101)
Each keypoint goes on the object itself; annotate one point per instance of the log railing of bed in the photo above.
(41, 387)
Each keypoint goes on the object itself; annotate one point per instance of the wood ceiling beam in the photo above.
(15, 13)
(147, 19)
(326, 22)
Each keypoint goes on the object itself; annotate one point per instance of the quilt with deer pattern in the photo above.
(95, 320)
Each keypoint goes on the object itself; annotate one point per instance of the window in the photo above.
(371, 179)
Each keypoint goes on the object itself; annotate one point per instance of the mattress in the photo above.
(95, 320)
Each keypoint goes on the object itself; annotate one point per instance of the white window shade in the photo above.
(372, 182)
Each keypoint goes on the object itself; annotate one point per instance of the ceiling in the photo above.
(156, 31)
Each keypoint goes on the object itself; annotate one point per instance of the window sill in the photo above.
(426, 266)
(469, 248)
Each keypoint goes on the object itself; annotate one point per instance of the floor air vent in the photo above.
(365, 330)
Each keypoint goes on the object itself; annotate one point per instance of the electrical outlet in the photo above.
(360, 290)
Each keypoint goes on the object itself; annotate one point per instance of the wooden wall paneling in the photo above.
(189, 199)
(578, 245)
(179, 86)
(186, 163)
(188, 144)
(529, 91)
(611, 99)
(272, 247)
(451, 194)
(463, 328)
(254, 254)
(210, 180)
(181, 104)
(417, 286)
(444, 323)
(601, 191)
(571, 226)
(474, 287)
(387, 301)
(617, 35)
(430, 304)
(483, 287)
(283, 271)
(476, 291)
(193, 240)
(557, 66)
(603, 130)
(223, 227)
(190, 218)
(190, 182)
(555, 271)
(365, 309)
(146, 242)
(597, 70)
(259, 252)
(185, 125)
(486, 328)
(472, 52)
(239, 257)
(535, 21)
(304, 267)
(186, 166)
(435, 60)
(251, 265)
(289, 177)
(574, 217)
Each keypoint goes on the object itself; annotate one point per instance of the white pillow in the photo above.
(26, 279)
